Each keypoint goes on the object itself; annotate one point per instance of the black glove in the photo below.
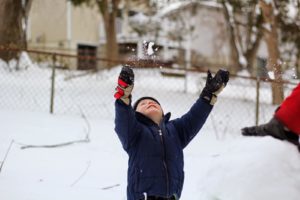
(273, 128)
(125, 85)
(214, 85)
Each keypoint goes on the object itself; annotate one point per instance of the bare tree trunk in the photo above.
(25, 12)
(108, 9)
(251, 53)
(271, 37)
(234, 54)
(252, 46)
(297, 72)
(11, 31)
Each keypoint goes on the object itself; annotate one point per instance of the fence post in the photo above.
(257, 100)
(52, 84)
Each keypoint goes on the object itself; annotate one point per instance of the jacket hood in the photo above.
(146, 120)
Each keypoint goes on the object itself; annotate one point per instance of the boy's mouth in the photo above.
(151, 106)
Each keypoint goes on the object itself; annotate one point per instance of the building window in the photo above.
(87, 57)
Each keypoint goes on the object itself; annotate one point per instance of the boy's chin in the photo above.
(153, 113)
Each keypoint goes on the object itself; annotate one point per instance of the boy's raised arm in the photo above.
(190, 123)
(126, 125)
(125, 85)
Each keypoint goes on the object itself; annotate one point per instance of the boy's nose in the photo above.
(151, 103)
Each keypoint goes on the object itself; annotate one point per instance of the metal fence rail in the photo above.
(42, 85)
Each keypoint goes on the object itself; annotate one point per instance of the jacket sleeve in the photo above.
(289, 111)
(126, 125)
(190, 123)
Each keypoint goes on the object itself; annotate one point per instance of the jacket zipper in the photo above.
(164, 160)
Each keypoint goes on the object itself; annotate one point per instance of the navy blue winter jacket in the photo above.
(155, 165)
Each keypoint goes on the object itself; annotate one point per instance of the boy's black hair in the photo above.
(142, 98)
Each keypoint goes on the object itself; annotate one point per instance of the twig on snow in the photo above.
(6, 154)
(110, 187)
(54, 145)
(82, 175)
(86, 140)
(87, 136)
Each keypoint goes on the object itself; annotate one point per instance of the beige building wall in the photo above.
(85, 25)
(208, 40)
(58, 26)
(49, 22)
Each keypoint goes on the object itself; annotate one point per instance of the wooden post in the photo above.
(257, 101)
(52, 84)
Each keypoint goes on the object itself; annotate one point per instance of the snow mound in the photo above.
(253, 169)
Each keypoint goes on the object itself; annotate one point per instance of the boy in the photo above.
(153, 142)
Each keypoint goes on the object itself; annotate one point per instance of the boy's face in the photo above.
(150, 109)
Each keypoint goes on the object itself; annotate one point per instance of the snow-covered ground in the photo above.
(233, 168)
(220, 164)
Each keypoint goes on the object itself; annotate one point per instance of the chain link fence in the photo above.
(40, 82)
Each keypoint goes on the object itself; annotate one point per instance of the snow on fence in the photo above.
(43, 82)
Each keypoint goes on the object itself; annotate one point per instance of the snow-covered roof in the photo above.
(213, 4)
(170, 8)
(140, 18)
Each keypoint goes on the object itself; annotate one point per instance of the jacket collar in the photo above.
(147, 121)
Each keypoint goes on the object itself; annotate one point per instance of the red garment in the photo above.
(289, 111)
